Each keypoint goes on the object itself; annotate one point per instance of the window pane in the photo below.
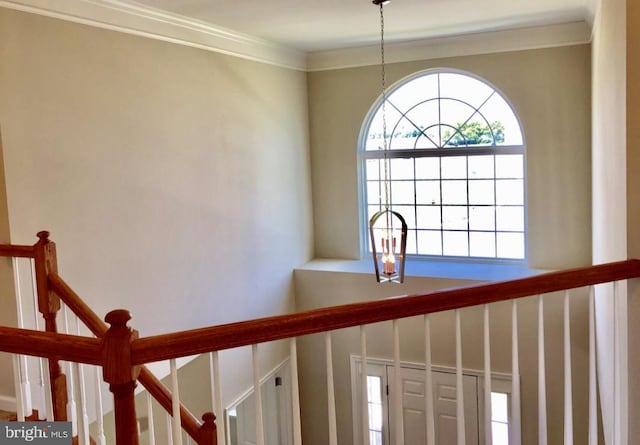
(375, 416)
(401, 168)
(375, 437)
(407, 212)
(429, 217)
(497, 110)
(509, 191)
(374, 140)
(455, 113)
(374, 192)
(428, 168)
(510, 166)
(405, 97)
(481, 167)
(402, 192)
(481, 192)
(455, 243)
(429, 242)
(372, 209)
(482, 244)
(499, 407)
(373, 169)
(510, 218)
(428, 192)
(454, 218)
(482, 218)
(500, 433)
(454, 167)
(411, 242)
(374, 392)
(464, 87)
(510, 245)
(454, 192)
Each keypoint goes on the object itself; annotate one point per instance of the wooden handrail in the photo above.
(70, 348)
(11, 250)
(161, 393)
(198, 341)
(78, 306)
(156, 388)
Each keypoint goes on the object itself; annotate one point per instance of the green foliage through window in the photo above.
(475, 133)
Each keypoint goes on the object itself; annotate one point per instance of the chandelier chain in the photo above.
(385, 146)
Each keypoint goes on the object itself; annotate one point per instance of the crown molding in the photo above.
(547, 36)
(135, 19)
(132, 18)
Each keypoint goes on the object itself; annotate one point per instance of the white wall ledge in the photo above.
(464, 270)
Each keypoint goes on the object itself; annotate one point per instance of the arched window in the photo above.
(456, 166)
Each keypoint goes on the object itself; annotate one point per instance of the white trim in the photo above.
(119, 16)
(135, 19)
(7, 403)
(547, 36)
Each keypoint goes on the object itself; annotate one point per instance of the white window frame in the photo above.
(364, 155)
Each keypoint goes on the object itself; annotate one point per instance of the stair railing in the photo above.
(121, 353)
(50, 290)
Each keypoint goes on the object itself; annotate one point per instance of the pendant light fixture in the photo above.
(387, 228)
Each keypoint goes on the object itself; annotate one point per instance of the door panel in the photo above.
(444, 394)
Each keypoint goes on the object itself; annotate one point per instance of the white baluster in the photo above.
(19, 395)
(428, 384)
(84, 417)
(72, 409)
(169, 430)
(83, 424)
(41, 364)
(542, 384)
(364, 392)
(397, 393)
(331, 395)
(515, 437)
(216, 395)
(100, 439)
(295, 394)
(568, 403)
(459, 384)
(25, 384)
(175, 408)
(152, 429)
(257, 395)
(48, 399)
(593, 400)
(488, 436)
(620, 425)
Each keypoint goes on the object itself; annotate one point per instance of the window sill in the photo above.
(464, 270)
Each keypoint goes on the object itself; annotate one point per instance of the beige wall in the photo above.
(550, 90)
(175, 181)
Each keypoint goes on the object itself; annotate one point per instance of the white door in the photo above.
(413, 406)
(444, 405)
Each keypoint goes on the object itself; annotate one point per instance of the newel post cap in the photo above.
(117, 365)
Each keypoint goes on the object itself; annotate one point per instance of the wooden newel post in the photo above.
(48, 305)
(121, 374)
(208, 434)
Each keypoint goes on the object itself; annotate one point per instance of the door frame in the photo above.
(500, 382)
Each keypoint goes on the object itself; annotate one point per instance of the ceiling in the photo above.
(312, 25)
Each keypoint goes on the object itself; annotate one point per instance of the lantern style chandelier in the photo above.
(387, 228)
